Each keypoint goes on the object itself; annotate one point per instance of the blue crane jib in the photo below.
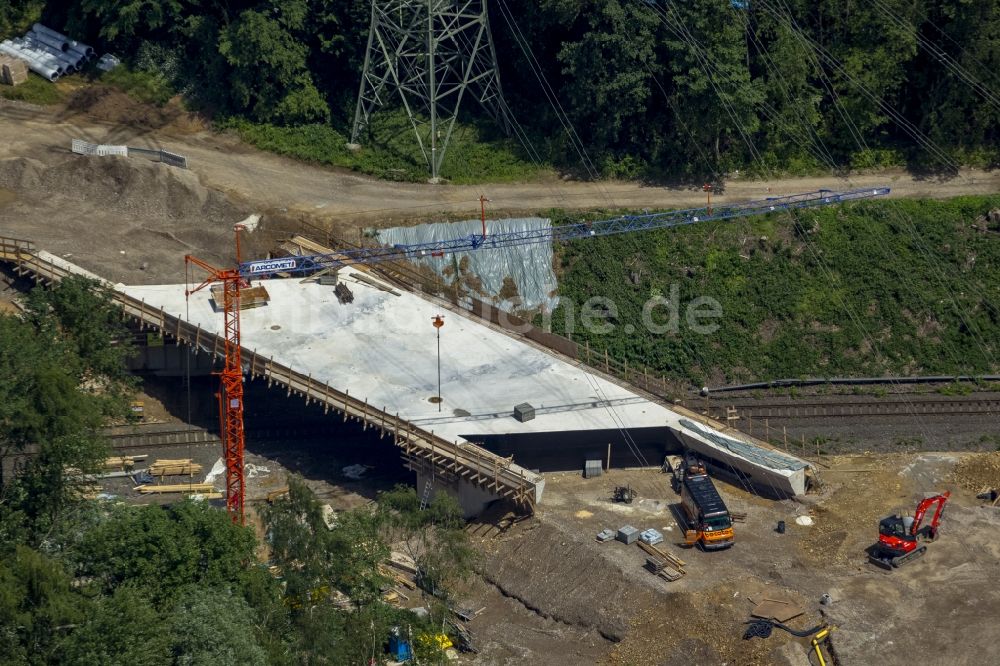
(617, 225)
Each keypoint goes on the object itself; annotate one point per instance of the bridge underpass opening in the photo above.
(279, 427)
(567, 450)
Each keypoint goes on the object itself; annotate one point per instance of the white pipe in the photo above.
(60, 44)
(83, 49)
(43, 58)
(45, 30)
(44, 71)
(39, 51)
(68, 58)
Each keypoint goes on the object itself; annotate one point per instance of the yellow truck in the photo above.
(707, 519)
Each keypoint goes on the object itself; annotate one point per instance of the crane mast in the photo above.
(231, 378)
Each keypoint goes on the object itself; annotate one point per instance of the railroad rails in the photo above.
(812, 408)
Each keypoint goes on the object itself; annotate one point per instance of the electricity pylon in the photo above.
(430, 53)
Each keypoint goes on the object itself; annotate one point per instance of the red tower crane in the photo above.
(231, 390)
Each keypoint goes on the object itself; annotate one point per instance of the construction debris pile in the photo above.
(978, 472)
(48, 53)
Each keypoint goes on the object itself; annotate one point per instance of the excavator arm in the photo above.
(926, 504)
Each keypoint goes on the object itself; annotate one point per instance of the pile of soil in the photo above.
(108, 104)
(131, 186)
(127, 219)
(978, 472)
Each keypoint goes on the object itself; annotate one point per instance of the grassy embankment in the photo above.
(894, 287)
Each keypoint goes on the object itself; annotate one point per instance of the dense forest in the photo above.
(632, 87)
(102, 582)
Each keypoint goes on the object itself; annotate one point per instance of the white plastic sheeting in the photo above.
(529, 266)
(783, 473)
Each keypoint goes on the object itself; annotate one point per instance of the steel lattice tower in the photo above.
(430, 53)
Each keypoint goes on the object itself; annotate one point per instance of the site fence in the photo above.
(101, 150)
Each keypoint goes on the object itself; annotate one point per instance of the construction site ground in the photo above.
(595, 602)
(550, 592)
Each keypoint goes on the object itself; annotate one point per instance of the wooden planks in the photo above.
(200, 488)
(662, 563)
(183, 466)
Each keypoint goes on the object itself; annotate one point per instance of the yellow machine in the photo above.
(817, 640)
(708, 520)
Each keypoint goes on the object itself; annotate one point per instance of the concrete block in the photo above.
(524, 412)
(628, 534)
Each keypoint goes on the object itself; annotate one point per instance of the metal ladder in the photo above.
(426, 499)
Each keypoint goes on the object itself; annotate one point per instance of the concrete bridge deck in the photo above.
(379, 351)
(424, 451)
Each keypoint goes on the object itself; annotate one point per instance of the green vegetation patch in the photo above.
(391, 152)
(148, 87)
(35, 90)
(902, 287)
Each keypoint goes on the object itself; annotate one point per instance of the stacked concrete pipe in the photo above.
(39, 65)
(72, 46)
(45, 56)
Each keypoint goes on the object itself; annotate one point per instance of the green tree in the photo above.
(163, 550)
(37, 606)
(608, 73)
(314, 557)
(63, 370)
(713, 94)
(213, 627)
(957, 72)
(16, 15)
(434, 536)
(123, 25)
(269, 76)
(118, 629)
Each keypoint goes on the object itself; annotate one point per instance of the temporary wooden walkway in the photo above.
(471, 463)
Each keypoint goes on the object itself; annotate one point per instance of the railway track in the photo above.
(142, 438)
(866, 408)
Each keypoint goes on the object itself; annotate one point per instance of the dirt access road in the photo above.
(271, 183)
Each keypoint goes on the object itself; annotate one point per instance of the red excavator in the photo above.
(899, 537)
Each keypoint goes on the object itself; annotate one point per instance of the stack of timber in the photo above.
(252, 297)
(183, 466)
(122, 463)
(398, 578)
(89, 491)
(664, 564)
(204, 489)
(403, 562)
(394, 592)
